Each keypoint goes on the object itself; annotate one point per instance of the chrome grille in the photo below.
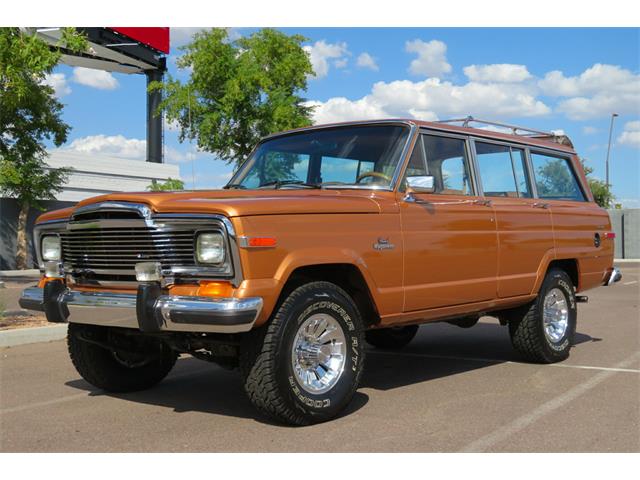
(115, 251)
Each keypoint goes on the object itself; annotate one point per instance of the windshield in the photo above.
(360, 156)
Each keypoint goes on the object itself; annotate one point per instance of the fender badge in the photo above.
(383, 244)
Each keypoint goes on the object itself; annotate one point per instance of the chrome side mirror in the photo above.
(421, 184)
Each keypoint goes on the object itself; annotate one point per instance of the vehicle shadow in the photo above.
(439, 350)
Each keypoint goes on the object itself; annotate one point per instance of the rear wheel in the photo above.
(305, 365)
(543, 331)
(143, 364)
(391, 338)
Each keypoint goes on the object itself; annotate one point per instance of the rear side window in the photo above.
(555, 179)
(502, 171)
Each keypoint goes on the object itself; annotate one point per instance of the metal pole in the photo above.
(613, 115)
(154, 121)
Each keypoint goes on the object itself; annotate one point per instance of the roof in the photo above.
(540, 139)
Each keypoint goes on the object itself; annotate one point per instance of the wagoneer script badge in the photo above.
(383, 244)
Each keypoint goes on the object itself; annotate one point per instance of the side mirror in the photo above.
(421, 184)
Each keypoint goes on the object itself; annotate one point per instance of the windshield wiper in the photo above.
(239, 186)
(276, 184)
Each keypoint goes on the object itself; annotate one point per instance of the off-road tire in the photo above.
(526, 326)
(391, 338)
(265, 357)
(99, 366)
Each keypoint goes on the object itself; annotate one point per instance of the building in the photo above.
(92, 175)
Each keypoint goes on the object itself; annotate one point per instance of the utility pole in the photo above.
(613, 115)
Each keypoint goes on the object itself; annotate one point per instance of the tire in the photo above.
(392, 338)
(115, 371)
(268, 355)
(527, 326)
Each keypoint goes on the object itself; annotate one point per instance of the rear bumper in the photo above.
(162, 313)
(613, 276)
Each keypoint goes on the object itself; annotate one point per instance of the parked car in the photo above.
(326, 238)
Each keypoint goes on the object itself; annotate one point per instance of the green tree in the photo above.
(602, 193)
(238, 91)
(29, 115)
(171, 184)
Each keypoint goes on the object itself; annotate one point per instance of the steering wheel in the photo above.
(373, 174)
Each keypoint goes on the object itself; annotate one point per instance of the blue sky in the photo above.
(568, 79)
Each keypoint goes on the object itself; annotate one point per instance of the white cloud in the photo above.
(120, 146)
(498, 72)
(58, 81)
(321, 52)
(341, 62)
(588, 130)
(598, 91)
(94, 78)
(367, 61)
(432, 58)
(340, 109)
(112, 145)
(631, 134)
(433, 98)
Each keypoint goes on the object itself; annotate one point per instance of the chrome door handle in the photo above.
(540, 205)
(483, 202)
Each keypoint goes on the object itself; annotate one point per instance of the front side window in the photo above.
(448, 163)
(555, 179)
(502, 171)
(343, 156)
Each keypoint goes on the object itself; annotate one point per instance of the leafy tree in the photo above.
(29, 114)
(602, 193)
(238, 91)
(171, 184)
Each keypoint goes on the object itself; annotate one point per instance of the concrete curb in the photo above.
(627, 260)
(23, 336)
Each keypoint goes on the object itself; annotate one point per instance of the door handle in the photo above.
(540, 205)
(483, 202)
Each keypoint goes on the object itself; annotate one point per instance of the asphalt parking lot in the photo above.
(451, 389)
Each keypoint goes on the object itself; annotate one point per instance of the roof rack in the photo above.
(528, 132)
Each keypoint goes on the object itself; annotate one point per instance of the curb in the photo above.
(24, 336)
(19, 275)
(626, 260)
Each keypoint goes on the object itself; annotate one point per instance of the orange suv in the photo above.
(326, 238)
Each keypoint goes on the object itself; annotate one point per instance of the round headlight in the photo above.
(51, 248)
(210, 248)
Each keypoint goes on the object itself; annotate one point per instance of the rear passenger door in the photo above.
(524, 224)
(449, 236)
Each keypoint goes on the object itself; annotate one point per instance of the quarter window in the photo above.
(555, 179)
(447, 161)
(502, 171)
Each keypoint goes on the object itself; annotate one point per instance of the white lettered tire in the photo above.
(304, 366)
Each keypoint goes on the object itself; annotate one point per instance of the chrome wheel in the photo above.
(319, 353)
(555, 315)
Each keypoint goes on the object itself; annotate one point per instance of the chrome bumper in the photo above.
(172, 313)
(614, 276)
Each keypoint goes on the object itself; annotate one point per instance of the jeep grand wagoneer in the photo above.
(326, 238)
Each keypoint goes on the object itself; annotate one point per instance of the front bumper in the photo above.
(147, 313)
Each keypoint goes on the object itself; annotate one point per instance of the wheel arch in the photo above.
(569, 265)
(345, 275)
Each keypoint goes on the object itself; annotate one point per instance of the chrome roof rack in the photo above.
(527, 132)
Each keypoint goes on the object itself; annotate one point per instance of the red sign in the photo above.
(154, 37)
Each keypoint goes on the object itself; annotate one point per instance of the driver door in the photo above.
(450, 239)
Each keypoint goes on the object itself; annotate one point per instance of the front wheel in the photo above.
(305, 365)
(543, 331)
(137, 364)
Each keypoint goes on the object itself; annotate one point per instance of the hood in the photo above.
(238, 203)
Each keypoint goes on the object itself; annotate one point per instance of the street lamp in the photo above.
(613, 115)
